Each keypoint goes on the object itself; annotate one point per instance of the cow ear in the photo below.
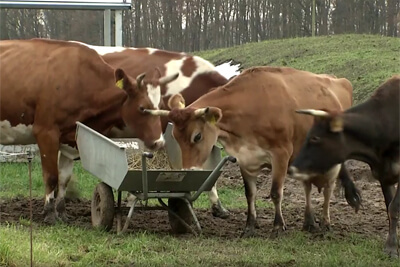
(336, 124)
(176, 101)
(156, 73)
(213, 115)
(123, 82)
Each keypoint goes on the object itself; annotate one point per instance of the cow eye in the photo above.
(197, 138)
(314, 139)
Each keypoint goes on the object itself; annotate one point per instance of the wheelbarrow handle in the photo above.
(212, 178)
(148, 155)
(232, 159)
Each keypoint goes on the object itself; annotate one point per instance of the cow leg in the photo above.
(216, 206)
(388, 192)
(309, 217)
(65, 166)
(280, 162)
(250, 187)
(326, 219)
(48, 144)
(391, 246)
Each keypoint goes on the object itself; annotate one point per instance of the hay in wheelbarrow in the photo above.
(158, 162)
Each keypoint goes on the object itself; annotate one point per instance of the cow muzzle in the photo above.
(158, 144)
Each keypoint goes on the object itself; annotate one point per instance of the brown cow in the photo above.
(46, 86)
(253, 117)
(196, 77)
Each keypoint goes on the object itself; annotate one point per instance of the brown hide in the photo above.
(137, 61)
(258, 108)
(253, 117)
(52, 84)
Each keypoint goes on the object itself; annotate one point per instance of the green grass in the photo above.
(70, 246)
(65, 245)
(366, 60)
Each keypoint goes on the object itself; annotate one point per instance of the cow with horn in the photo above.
(253, 117)
(166, 73)
(368, 132)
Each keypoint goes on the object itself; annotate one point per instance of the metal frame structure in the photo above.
(106, 5)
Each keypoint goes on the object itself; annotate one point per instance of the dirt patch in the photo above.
(370, 220)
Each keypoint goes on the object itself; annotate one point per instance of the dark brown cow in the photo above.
(46, 86)
(196, 76)
(253, 117)
(368, 132)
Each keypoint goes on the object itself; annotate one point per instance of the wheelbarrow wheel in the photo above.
(180, 207)
(102, 207)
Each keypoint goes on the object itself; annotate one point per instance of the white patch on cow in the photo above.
(16, 135)
(228, 70)
(298, 175)
(65, 169)
(160, 142)
(152, 50)
(305, 176)
(174, 66)
(49, 197)
(333, 172)
(69, 151)
(154, 94)
(396, 168)
(102, 50)
(213, 195)
(249, 155)
(195, 168)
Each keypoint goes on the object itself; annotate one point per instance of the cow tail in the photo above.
(351, 192)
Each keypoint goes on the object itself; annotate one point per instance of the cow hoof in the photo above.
(392, 252)
(218, 211)
(50, 219)
(63, 217)
(248, 232)
(325, 227)
(312, 228)
(277, 231)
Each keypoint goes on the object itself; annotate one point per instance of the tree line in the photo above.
(191, 25)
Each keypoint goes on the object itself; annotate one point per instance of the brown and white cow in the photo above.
(196, 76)
(46, 86)
(369, 132)
(253, 117)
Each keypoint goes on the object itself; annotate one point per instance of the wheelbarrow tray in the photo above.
(107, 159)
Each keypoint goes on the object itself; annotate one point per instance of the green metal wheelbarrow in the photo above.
(107, 159)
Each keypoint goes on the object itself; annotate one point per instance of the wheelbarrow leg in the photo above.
(177, 217)
(193, 215)
(129, 215)
(119, 212)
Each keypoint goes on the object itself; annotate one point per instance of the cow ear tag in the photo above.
(120, 84)
(212, 120)
(181, 105)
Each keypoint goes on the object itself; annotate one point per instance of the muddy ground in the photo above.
(371, 220)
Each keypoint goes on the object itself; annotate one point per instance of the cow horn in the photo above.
(168, 79)
(200, 112)
(156, 112)
(314, 112)
(140, 78)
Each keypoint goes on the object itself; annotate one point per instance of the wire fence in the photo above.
(17, 153)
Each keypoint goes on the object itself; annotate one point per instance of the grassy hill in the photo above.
(366, 60)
